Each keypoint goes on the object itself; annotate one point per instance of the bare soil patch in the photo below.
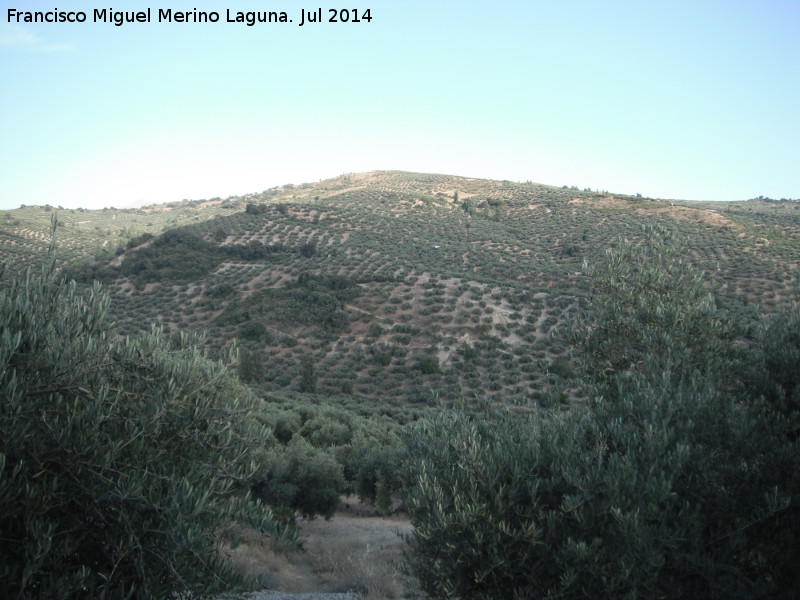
(358, 551)
(677, 212)
(684, 213)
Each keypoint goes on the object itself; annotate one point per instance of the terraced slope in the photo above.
(399, 286)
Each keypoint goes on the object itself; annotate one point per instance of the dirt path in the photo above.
(356, 551)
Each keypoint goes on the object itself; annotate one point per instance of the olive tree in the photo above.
(677, 475)
(122, 460)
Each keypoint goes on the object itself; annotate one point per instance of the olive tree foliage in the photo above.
(664, 493)
(324, 452)
(774, 369)
(300, 479)
(675, 478)
(122, 461)
(647, 303)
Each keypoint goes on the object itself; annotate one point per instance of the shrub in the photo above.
(308, 375)
(678, 478)
(251, 366)
(121, 460)
(562, 367)
(428, 364)
(468, 352)
(255, 209)
(285, 424)
(662, 493)
(300, 478)
(774, 372)
(255, 331)
(328, 429)
(647, 302)
(378, 478)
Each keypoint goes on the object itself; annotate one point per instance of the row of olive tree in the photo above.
(321, 453)
(679, 477)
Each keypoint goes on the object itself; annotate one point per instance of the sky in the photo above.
(695, 100)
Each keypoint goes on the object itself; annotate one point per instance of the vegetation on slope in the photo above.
(678, 478)
(474, 275)
(124, 462)
(671, 472)
(87, 236)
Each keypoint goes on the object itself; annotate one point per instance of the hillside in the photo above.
(412, 288)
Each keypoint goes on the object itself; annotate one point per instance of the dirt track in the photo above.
(356, 554)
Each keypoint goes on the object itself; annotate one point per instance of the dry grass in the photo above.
(356, 551)
(346, 567)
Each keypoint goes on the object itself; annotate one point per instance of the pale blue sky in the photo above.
(681, 99)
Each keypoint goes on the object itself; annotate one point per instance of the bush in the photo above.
(121, 460)
(562, 367)
(254, 331)
(300, 478)
(308, 375)
(326, 452)
(468, 352)
(678, 478)
(665, 492)
(428, 364)
(378, 478)
(251, 366)
(255, 209)
(775, 365)
(646, 302)
(474, 530)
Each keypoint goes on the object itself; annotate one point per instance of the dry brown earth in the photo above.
(357, 553)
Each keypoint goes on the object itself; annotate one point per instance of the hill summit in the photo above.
(405, 287)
